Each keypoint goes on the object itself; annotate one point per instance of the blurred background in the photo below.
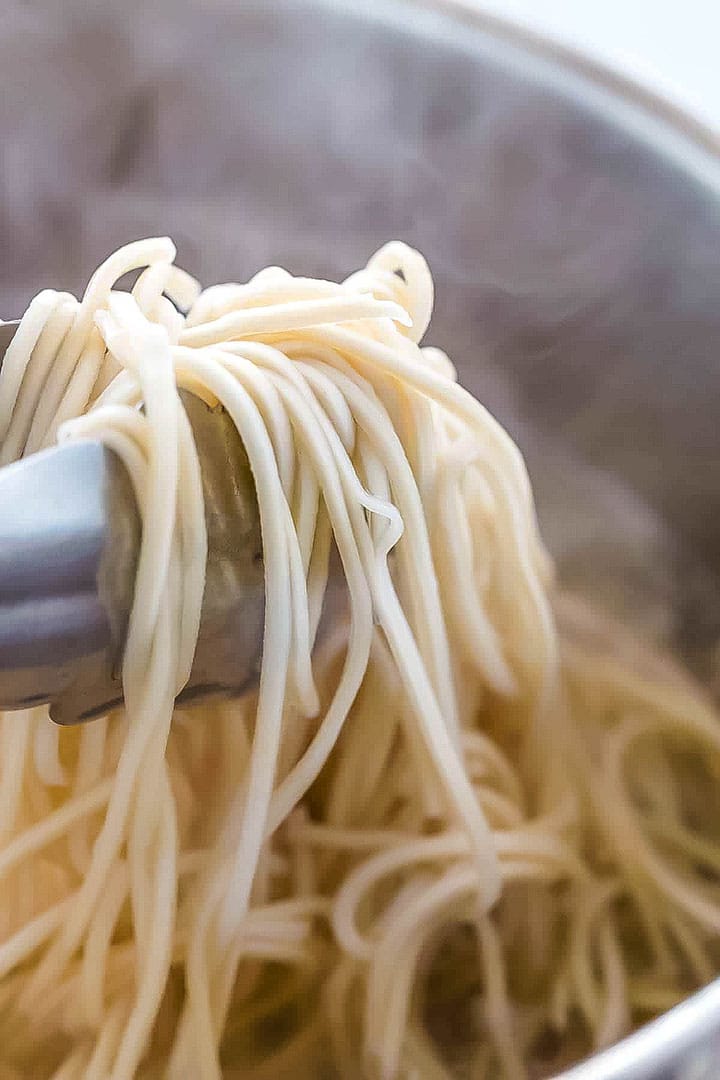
(669, 47)
(199, 117)
(572, 222)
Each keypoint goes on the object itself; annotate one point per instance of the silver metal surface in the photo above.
(684, 1044)
(573, 229)
(69, 540)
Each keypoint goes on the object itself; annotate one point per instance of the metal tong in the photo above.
(69, 540)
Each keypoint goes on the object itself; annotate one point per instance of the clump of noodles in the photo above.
(442, 840)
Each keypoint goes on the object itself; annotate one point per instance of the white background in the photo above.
(671, 46)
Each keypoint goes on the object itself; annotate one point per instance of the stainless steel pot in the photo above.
(573, 225)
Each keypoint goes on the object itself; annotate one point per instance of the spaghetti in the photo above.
(440, 839)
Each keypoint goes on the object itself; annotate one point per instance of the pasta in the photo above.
(462, 828)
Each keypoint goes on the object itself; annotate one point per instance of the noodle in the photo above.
(439, 838)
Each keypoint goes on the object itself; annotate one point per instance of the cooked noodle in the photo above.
(438, 839)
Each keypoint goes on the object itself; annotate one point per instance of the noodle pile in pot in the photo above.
(464, 830)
